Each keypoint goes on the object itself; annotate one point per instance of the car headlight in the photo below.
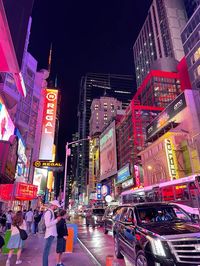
(157, 247)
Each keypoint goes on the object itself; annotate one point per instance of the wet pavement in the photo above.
(99, 244)
(32, 254)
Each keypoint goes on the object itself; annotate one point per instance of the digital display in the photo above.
(123, 174)
(6, 125)
(108, 157)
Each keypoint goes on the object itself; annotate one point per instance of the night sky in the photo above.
(87, 36)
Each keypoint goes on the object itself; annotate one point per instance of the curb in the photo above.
(93, 258)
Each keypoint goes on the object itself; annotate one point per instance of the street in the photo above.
(98, 243)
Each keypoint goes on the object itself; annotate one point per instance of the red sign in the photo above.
(48, 124)
(25, 191)
(6, 191)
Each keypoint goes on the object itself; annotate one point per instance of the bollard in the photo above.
(109, 260)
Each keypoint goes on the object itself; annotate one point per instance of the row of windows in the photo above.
(196, 56)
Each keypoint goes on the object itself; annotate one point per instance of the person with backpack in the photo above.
(15, 241)
(51, 230)
(62, 232)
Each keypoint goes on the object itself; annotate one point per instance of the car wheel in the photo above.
(141, 259)
(117, 248)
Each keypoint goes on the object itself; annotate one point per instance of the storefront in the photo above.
(17, 196)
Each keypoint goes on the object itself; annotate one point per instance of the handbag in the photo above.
(22, 233)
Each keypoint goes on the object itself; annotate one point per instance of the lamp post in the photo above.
(67, 153)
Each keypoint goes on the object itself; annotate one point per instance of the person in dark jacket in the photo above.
(62, 233)
(2, 242)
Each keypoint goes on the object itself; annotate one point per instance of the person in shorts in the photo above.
(15, 241)
(62, 233)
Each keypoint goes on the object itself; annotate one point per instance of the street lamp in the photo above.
(67, 153)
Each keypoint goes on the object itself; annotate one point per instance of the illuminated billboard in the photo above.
(40, 180)
(48, 124)
(108, 156)
(6, 125)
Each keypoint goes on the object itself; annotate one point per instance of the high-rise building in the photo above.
(102, 111)
(95, 86)
(191, 43)
(159, 88)
(160, 38)
(191, 6)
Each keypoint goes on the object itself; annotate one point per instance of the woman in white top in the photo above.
(15, 241)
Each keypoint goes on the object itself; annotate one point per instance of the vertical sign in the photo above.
(99, 195)
(171, 160)
(48, 124)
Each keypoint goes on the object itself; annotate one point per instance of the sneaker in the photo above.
(18, 261)
(8, 262)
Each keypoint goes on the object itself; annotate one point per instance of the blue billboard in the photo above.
(123, 174)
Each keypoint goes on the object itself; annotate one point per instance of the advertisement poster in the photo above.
(40, 180)
(6, 125)
(108, 157)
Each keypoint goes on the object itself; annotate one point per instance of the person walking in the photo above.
(29, 220)
(61, 242)
(3, 222)
(51, 231)
(15, 241)
(8, 219)
(37, 218)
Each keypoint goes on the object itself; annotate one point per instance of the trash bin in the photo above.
(70, 240)
(5, 250)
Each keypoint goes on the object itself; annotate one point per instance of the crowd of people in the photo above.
(23, 223)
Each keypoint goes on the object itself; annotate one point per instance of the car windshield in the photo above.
(162, 213)
(98, 211)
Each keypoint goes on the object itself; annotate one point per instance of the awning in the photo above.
(18, 191)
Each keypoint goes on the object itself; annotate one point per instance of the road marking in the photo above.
(91, 255)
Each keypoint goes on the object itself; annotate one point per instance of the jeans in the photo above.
(28, 224)
(46, 251)
(35, 227)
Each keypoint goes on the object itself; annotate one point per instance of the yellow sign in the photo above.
(171, 159)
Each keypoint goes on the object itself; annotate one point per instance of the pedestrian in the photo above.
(3, 222)
(24, 214)
(8, 219)
(29, 220)
(15, 241)
(37, 218)
(2, 242)
(51, 231)
(62, 233)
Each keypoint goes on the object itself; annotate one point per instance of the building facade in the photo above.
(191, 44)
(160, 37)
(95, 86)
(191, 6)
(173, 137)
(102, 111)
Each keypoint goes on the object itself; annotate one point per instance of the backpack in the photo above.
(42, 225)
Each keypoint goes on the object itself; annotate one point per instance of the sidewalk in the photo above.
(32, 254)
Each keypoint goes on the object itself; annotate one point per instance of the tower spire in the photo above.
(50, 59)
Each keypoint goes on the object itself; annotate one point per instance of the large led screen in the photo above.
(6, 125)
(108, 156)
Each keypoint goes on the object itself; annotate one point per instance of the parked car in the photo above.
(152, 234)
(94, 216)
(108, 218)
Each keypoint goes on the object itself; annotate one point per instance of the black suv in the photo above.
(156, 234)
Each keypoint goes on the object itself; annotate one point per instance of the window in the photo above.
(96, 107)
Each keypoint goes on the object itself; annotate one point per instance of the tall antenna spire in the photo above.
(50, 59)
(56, 82)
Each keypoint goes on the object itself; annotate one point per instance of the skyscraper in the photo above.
(94, 86)
(160, 38)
